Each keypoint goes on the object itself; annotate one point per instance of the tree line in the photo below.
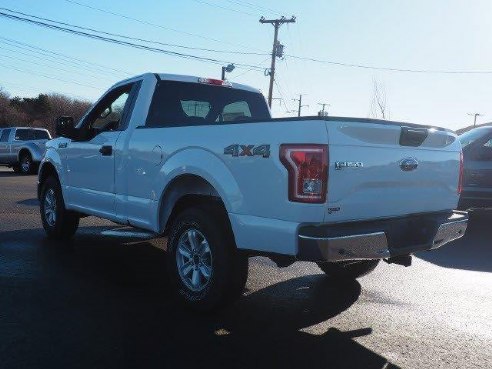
(40, 111)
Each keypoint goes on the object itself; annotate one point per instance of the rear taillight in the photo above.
(460, 181)
(307, 166)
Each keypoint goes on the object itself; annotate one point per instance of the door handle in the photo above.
(106, 150)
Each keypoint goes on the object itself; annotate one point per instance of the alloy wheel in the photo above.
(50, 207)
(194, 260)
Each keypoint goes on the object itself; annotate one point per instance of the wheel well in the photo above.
(47, 170)
(22, 152)
(185, 191)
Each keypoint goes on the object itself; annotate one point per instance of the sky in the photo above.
(445, 35)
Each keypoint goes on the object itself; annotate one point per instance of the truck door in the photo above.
(90, 158)
(5, 146)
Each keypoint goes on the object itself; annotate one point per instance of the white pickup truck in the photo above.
(202, 162)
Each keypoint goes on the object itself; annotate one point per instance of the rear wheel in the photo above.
(348, 269)
(203, 263)
(58, 222)
(26, 165)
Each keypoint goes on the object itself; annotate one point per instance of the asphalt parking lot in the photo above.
(104, 302)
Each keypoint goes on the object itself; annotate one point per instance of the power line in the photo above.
(282, 99)
(255, 6)
(47, 76)
(134, 38)
(38, 63)
(52, 59)
(58, 55)
(224, 7)
(251, 69)
(35, 88)
(141, 21)
(389, 69)
(115, 41)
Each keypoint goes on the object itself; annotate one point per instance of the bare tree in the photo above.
(9, 115)
(379, 107)
(40, 111)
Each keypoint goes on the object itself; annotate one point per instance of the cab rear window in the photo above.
(41, 135)
(24, 134)
(177, 104)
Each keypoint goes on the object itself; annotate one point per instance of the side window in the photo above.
(111, 113)
(235, 111)
(22, 134)
(5, 135)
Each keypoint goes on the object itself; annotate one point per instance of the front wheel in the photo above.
(58, 222)
(203, 263)
(348, 269)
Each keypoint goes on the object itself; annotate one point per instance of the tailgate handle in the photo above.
(410, 136)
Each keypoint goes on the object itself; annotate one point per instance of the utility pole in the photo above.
(277, 49)
(322, 113)
(300, 105)
(475, 115)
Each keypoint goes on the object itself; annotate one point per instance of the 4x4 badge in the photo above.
(248, 150)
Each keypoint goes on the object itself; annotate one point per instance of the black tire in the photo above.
(348, 269)
(64, 225)
(16, 168)
(26, 165)
(229, 267)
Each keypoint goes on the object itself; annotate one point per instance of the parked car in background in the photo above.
(477, 154)
(22, 148)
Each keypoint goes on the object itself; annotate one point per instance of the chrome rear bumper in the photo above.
(381, 239)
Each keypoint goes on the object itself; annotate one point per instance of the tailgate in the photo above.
(380, 170)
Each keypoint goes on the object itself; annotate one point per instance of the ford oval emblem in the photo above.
(408, 164)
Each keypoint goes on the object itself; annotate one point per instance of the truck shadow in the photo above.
(11, 173)
(472, 252)
(29, 202)
(105, 302)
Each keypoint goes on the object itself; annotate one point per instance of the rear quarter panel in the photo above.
(249, 185)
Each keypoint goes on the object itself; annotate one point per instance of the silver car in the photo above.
(22, 148)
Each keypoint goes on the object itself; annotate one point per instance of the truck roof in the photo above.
(186, 78)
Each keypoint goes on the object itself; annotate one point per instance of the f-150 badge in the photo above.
(248, 150)
(339, 165)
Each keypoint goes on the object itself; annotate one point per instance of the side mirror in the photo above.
(65, 127)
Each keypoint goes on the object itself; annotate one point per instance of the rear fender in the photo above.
(35, 152)
(218, 181)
